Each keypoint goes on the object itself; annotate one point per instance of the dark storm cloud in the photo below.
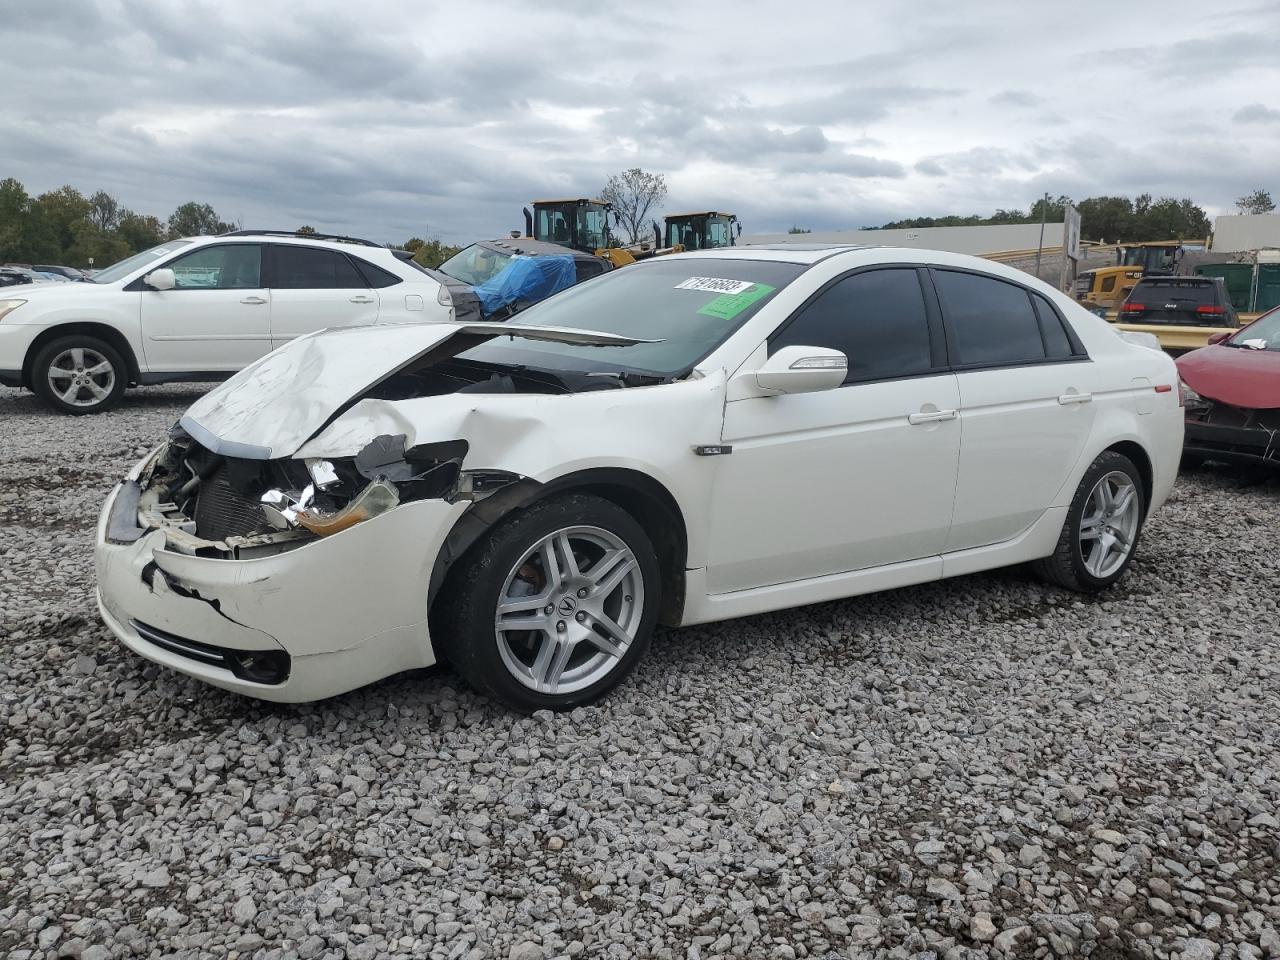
(1257, 113)
(393, 119)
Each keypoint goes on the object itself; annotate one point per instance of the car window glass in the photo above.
(586, 269)
(1192, 292)
(1056, 343)
(231, 267)
(311, 268)
(374, 276)
(990, 321)
(876, 319)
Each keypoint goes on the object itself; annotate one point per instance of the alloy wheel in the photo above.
(1109, 524)
(81, 377)
(569, 609)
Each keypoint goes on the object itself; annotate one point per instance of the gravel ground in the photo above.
(985, 766)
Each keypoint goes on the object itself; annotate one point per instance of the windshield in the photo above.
(119, 271)
(1262, 334)
(691, 305)
(475, 264)
(1150, 258)
(718, 232)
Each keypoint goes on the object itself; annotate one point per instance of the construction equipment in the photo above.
(697, 231)
(584, 224)
(1107, 287)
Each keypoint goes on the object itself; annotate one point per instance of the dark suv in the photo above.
(1181, 301)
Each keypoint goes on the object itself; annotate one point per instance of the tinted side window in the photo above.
(990, 321)
(236, 266)
(374, 276)
(310, 268)
(1056, 343)
(586, 269)
(876, 319)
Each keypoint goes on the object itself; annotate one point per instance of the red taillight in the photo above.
(1133, 308)
(1211, 310)
(1164, 387)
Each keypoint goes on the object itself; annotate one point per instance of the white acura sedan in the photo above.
(688, 439)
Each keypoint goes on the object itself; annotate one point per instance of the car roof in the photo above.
(351, 247)
(529, 246)
(805, 253)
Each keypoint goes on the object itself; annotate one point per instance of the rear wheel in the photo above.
(555, 607)
(78, 375)
(1102, 528)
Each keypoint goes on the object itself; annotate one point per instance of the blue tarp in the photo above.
(527, 280)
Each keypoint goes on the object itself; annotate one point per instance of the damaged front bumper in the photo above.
(1217, 431)
(325, 616)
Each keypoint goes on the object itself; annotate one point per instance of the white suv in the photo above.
(201, 309)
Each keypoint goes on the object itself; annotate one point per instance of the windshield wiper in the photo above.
(629, 378)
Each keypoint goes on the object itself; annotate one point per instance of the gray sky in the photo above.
(389, 120)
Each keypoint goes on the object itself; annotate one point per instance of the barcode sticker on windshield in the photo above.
(713, 285)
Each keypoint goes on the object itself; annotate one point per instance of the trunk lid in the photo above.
(272, 407)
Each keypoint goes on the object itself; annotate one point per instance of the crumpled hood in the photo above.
(1235, 375)
(273, 406)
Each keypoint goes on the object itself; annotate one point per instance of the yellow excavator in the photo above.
(584, 224)
(697, 231)
(1108, 286)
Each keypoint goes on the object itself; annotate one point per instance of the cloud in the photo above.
(446, 118)
(1015, 98)
(1256, 113)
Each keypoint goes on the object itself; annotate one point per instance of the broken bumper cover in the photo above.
(1233, 443)
(322, 619)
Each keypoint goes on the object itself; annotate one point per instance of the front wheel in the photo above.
(1101, 531)
(555, 607)
(78, 375)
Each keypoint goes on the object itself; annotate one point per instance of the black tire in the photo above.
(463, 627)
(1065, 567)
(86, 401)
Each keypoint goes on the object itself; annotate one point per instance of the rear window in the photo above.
(1180, 292)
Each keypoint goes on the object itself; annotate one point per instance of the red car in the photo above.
(1231, 389)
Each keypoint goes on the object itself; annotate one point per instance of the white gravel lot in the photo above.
(984, 766)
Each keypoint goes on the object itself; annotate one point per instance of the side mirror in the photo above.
(1218, 338)
(802, 370)
(162, 279)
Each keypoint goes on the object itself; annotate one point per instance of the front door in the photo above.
(1026, 404)
(218, 316)
(850, 478)
(314, 289)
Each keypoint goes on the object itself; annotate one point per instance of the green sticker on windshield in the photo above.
(729, 305)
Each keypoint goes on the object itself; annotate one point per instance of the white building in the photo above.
(977, 241)
(1239, 234)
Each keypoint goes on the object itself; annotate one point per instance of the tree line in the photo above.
(1112, 219)
(65, 227)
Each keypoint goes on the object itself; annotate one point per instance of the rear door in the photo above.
(218, 316)
(313, 288)
(1026, 403)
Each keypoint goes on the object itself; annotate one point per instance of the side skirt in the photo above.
(1036, 541)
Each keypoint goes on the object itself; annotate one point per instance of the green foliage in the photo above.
(1259, 201)
(429, 253)
(196, 220)
(64, 227)
(306, 231)
(795, 229)
(1113, 219)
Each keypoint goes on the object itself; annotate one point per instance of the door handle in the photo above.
(933, 416)
(362, 298)
(1067, 398)
(253, 300)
